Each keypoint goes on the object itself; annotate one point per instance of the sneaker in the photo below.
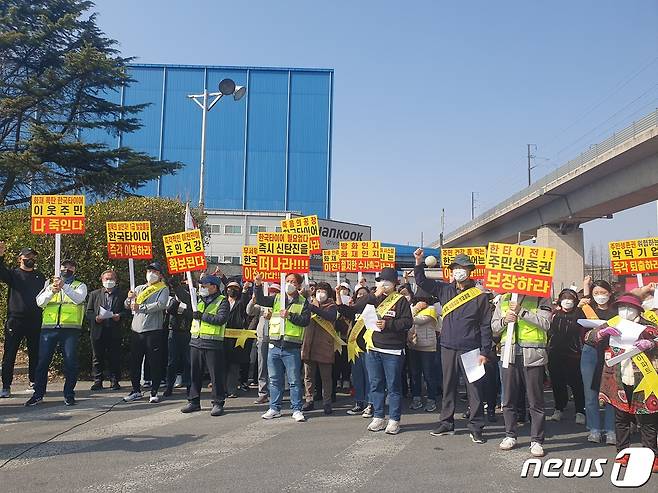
(556, 416)
(33, 401)
(443, 429)
(217, 410)
(476, 437)
(298, 416)
(168, 393)
(430, 406)
(580, 419)
(610, 439)
(377, 424)
(416, 404)
(536, 450)
(191, 407)
(368, 412)
(232, 395)
(115, 386)
(262, 399)
(178, 383)
(357, 409)
(96, 386)
(70, 401)
(594, 437)
(133, 396)
(393, 427)
(466, 414)
(271, 414)
(146, 384)
(154, 399)
(4, 393)
(327, 409)
(30, 388)
(308, 406)
(508, 443)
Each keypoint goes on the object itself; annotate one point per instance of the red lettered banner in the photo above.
(283, 253)
(129, 239)
(519, 269)
(634, 256)
(184, 252)
(58, 214)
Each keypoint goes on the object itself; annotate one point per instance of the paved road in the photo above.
(154, 447)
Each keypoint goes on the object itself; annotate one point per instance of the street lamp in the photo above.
(226, 87)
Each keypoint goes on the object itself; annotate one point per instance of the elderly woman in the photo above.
(619, 383)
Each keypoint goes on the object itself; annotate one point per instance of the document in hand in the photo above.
(104, 314)
(369, 317)
(474, 370)
(630, 331)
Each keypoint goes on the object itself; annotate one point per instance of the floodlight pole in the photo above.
(202, 101)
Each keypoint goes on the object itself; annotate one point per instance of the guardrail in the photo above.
(564, 171)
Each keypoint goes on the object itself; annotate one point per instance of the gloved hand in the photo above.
(197, 315)
(608, 331)
(644, 344)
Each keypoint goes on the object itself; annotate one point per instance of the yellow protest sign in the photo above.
(519, 269)
(283, 253)
(58, 214)
(184, 251)
(330, 261)
(387, 257)
(360, 256)
(129, 239)
(306, 225)
(634, 256)
(477, 254)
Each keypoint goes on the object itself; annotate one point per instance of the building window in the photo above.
(229, 259)
(212, 260)
(254, 230)
(232, 230)
(216, 228)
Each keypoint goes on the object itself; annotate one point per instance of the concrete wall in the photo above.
(569, 264)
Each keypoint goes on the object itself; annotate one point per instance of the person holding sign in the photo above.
(319, 346)
(207, 345)
(105, 310)
(385, 342)
(148, 303)
(531, 317)
(236, 353)
(23, 315)
(63, 313)
(287, 327)
(631, 389)
(466, 327)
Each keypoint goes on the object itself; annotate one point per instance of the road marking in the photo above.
(168, 468)
(355, 465)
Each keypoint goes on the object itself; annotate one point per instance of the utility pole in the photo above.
(472, 205)
(530, 157)
(443, 223)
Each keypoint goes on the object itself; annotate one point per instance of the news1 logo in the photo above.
(637, 470)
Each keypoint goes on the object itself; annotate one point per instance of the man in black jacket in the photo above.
(23, 314)
(466, 326)
(105, 312)
(179, 311)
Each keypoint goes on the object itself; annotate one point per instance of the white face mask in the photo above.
(152, 277)
(628, 312)
(203, 292)
(321, 296)
(460, 275)
(647, 304)
(290, 288)
(567, 304)
(601, 299)
(109, 283)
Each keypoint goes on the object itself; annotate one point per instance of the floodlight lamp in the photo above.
(239, 93)
(227, 87)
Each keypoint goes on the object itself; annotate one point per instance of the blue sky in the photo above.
(433, 100)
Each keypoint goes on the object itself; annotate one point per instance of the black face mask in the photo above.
(67, 274)
(29, 263)
(233, 293)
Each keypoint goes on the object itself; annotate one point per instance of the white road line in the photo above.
(168, 468)
(90, 435)
(355, 465)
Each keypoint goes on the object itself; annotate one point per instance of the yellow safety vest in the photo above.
(291, 332)
(205, 330)
(62, 313)
(525, 334)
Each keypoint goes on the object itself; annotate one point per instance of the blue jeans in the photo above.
(288, 361)
(68, 340)
(360, 381)
(587, 368)
(385, 372)
(422, 365)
